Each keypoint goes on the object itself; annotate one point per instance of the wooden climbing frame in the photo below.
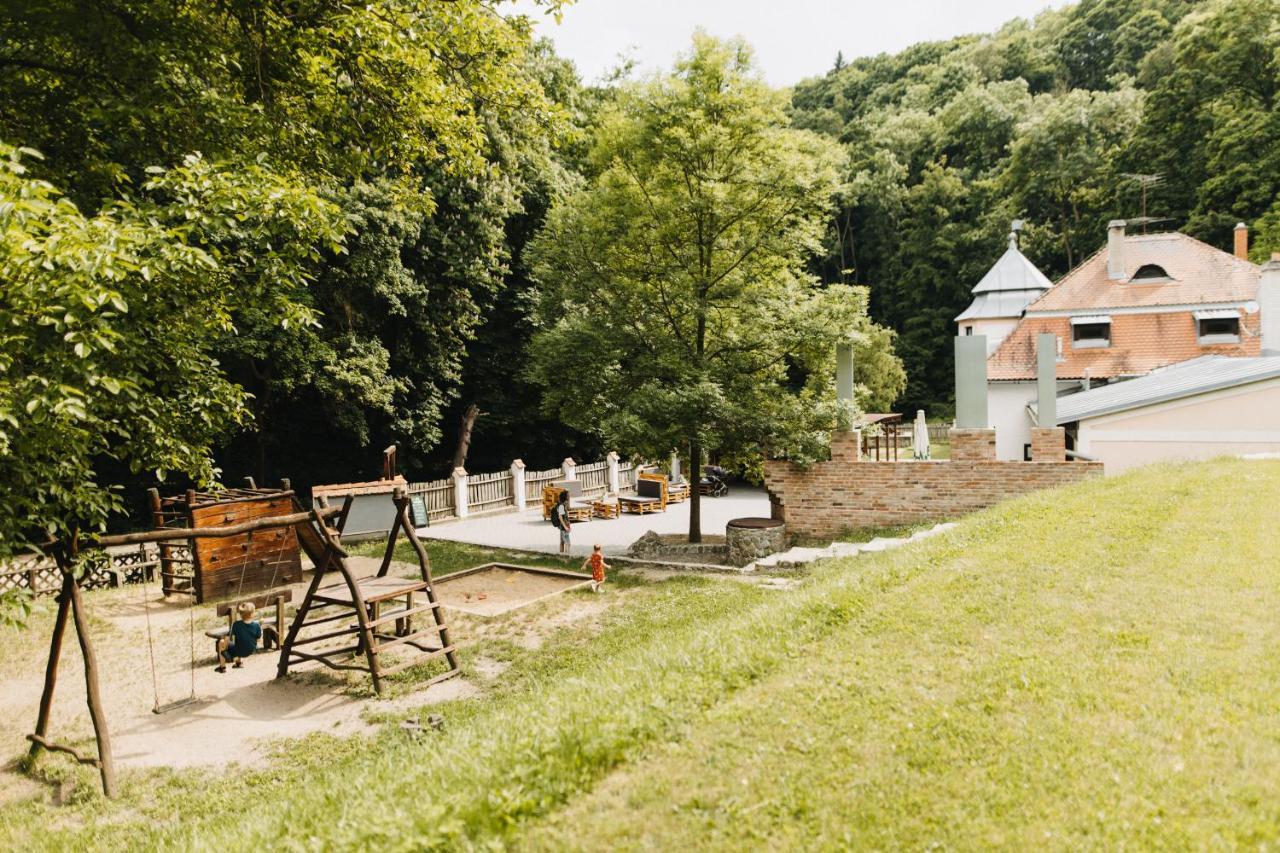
(234, 565)
(377, 613)
(381, 622)
(71, 605)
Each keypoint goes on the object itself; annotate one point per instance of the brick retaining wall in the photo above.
(832, 496)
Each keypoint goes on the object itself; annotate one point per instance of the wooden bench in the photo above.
(271, 634)
(650, 496)
(677, 491)
(582, 510)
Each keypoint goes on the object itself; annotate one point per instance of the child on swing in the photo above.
(597, 565)
(243, 640)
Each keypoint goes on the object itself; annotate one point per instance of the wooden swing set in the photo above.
(383, 609)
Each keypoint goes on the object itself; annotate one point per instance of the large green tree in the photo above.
(676, 307)
(415, 117)
(108, 328)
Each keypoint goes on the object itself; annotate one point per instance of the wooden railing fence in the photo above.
(535, 481)
(440, 498)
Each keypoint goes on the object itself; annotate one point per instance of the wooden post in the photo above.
(396, 523)
(424, 563)
(51, 669)
(106, 765)
(389, 463)
(166, 553)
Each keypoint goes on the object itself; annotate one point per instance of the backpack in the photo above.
(556, 521)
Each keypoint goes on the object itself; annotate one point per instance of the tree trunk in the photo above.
(695, 493)
(465, 426)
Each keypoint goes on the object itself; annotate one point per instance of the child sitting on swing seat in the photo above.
(243, 640)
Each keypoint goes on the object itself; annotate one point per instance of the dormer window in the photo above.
(1150, 274)
(1217, 327)
(1092, 332)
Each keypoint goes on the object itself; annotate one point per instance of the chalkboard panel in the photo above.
(418, 511)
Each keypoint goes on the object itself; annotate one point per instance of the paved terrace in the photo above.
(527, 531)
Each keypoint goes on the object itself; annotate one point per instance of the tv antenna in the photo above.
(1145, 182)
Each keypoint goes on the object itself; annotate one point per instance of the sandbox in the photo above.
(497, 588)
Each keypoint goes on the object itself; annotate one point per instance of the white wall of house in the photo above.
(1227, 422)
(995, 328)
(1007, 411)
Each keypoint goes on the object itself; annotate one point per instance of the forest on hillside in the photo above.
(380, 171)
(1063, 122)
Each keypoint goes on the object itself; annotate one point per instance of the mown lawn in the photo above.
(1094, 667)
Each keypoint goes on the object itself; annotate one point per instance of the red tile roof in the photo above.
(1141, 341)
(1199, 273)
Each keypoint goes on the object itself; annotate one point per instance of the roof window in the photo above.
(1217, 327)
(1150, 273)
(1090, 332)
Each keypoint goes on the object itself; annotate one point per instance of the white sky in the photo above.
(793, 39)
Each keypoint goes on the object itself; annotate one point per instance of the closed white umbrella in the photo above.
(920, 436)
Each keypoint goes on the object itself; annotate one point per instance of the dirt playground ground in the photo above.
(235, 713)
(499, 589)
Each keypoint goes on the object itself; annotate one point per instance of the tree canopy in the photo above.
(110, 321)
(1051, 121)
(676, 307)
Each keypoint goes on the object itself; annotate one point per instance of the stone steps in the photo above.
(801, 556)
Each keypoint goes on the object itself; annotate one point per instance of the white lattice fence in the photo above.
(41, 575)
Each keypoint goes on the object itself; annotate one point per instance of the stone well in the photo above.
(749, 539)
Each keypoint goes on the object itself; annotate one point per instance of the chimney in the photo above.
(1242, 241)
(1115, 249)
(1269, 305)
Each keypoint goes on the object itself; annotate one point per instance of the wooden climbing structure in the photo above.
(365, 617)
(226, 567)
(378, 612)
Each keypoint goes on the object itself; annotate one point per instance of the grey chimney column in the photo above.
(1047, 380)
(1269, 305)
(1115, 249)
(844, 372)
(971, 382)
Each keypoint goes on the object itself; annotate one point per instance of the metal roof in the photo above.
(1013, 272)
(999, 303)
(1008, 288)
(1186, 379)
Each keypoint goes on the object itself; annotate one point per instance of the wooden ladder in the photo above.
(382, 621)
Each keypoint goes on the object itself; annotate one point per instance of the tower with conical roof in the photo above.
(1003, 294)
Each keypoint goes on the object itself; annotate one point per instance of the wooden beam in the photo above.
(51, 669)
(97, 714)
(208, 532)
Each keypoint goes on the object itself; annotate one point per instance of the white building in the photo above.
(1142, 302)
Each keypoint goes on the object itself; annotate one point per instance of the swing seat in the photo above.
(270, 637)
(271, 634)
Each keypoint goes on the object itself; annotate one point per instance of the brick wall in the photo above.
(832, 496)
(973, 445)
(1048, 444)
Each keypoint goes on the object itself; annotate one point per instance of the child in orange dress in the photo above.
(597, 565)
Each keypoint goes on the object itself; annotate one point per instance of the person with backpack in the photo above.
(560, 520)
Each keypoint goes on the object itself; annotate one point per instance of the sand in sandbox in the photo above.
(497, 588)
